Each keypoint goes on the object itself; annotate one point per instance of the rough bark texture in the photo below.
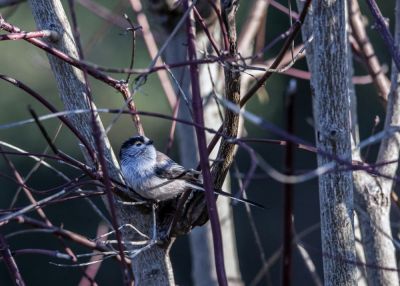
(232, 93)
(153, 274)
(372, 196)
(360, 255)
(49, 14)
(330, 84)
(361, 269)
(373, 193)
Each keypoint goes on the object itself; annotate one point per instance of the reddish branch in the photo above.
(104, 13)
(91, 270)
(10, 263)
(53, 36)
(297, 73)
(30, 197)
(67, 234)
(151, 46)
(221, 23)
(384, 32)
(52, 109)
(367, 52)
(283, 9)
(203, 24)
(288, 188)
(295, 29)
(202, 146)
(254, 29)
(64, 57)
(120, 86)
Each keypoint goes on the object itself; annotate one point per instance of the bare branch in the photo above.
(384, 32)
(381, 82)
(153, 51)
(53, 36)
(10, 263)
(5, 3)
(201, 141)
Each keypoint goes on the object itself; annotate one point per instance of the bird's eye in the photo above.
(138, 144)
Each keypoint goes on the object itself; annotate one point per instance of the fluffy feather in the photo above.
(154, 175)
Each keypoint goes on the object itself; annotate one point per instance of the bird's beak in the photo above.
(150, 142)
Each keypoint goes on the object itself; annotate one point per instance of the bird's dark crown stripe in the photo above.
(132, 141)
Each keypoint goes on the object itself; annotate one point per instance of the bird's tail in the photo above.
(228, 195)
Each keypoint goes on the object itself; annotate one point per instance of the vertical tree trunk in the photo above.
(330, 84)
(152, 267)
(372, 196)
(373, 193)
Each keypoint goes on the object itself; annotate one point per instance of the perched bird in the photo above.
(154, 175)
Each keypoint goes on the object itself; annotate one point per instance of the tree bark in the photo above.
(330, 86)
(49, 14)
(373, 193)
(371, 196)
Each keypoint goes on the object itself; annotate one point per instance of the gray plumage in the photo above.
(152, 174)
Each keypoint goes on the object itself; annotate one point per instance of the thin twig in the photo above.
(10, 263)
(379, 78)
(384, 32)
(92, 270)
(67, 234)
(50, 107)
(252, 223)
(30, 197)
(133, 30)
(32, 206)
(46, 252)
(52, 35)
(120, 86)
(288, 188)
(309, 264)
(104, 13)
(202, 145)
(154, 53)
(5, 3)
(294, 31)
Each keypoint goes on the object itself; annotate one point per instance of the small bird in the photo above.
(154, 175)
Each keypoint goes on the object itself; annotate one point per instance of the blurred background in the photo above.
(110, 46)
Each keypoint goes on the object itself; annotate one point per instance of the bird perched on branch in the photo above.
(154, 175)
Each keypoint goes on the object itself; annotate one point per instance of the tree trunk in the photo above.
(330, 84)
(373, 193)
(49, 14)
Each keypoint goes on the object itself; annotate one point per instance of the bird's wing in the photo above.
(168, 169)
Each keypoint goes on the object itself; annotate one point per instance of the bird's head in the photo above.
(138, 148)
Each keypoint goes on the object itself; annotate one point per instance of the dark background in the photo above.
(29, 64)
